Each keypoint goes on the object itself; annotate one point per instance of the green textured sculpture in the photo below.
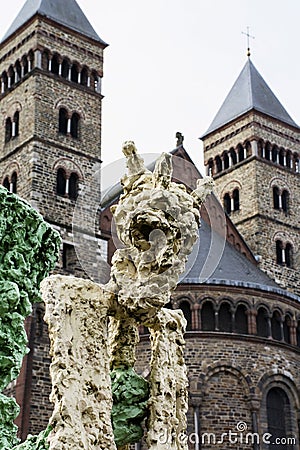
(130, 396)
(28, 251)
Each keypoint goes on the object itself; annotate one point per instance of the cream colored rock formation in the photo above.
(76, 314)
(157, 220)
(168, 402)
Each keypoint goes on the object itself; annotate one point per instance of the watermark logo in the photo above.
(240, 435)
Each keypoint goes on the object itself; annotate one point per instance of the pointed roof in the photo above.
(64, 12)
(250, 91)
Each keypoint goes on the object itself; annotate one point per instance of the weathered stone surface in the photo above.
(76, 313)
(158, 222)
(168, 403)
(123, 338)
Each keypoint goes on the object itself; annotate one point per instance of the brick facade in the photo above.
(36, 89)
(248, 340)
(230, 373)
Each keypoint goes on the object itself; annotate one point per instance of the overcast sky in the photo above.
(170, 63)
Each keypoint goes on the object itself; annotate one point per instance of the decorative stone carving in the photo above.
(158, 222)
(168, 403)
(99, 400)
(76, 314)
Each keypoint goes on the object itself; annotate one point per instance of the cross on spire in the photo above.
(248, 40)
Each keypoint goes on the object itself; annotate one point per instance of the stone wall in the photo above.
(229, 378)
(35, 154)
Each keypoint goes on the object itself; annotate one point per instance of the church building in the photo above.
(240, 293)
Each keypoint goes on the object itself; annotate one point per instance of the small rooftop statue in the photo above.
(99, 400)
(180, 139)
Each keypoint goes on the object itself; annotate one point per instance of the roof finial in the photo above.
(248, 40)
(180, 139)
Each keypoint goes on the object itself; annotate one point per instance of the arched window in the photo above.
(69, 257)
(260, 148)
(298, 333)
(288, 254)
(285, 201)
(11, 76)
(63, 121)
(4, 82)
(286, 329)
(288, 159)
(236, 199)
(296, 163)
(74, 73)
(225, 318)
(248, 148)
(227, 203)
(55, 65)
(208, 321)
(18, 71)
(278, 415)
(279, 247)
(276, 326)
(45, 60)
(84, 76)
(281, 157)
(95, 81)
(14, 179)
(61, 181)
(268, 151)
(186, 309)
(226, 160)
(233, 156)
(6, 183)
(30, 60)
(25, 65)
(75, 125)
(262, 322)
(8, 129)
(210, 167)
(218, 164)
(65, 69)
(73, 186)
(274, 153)
(15, 125)
(241, 321)
(275, 197)
(241, 152)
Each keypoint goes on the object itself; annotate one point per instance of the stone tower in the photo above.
(51, 66)
(252, 149)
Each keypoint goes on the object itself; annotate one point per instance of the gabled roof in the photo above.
(64, 12)
(250, 91)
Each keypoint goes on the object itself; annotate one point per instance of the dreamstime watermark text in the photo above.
(240, 435)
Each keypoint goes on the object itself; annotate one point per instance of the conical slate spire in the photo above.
(250, 91)
(64, 12)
